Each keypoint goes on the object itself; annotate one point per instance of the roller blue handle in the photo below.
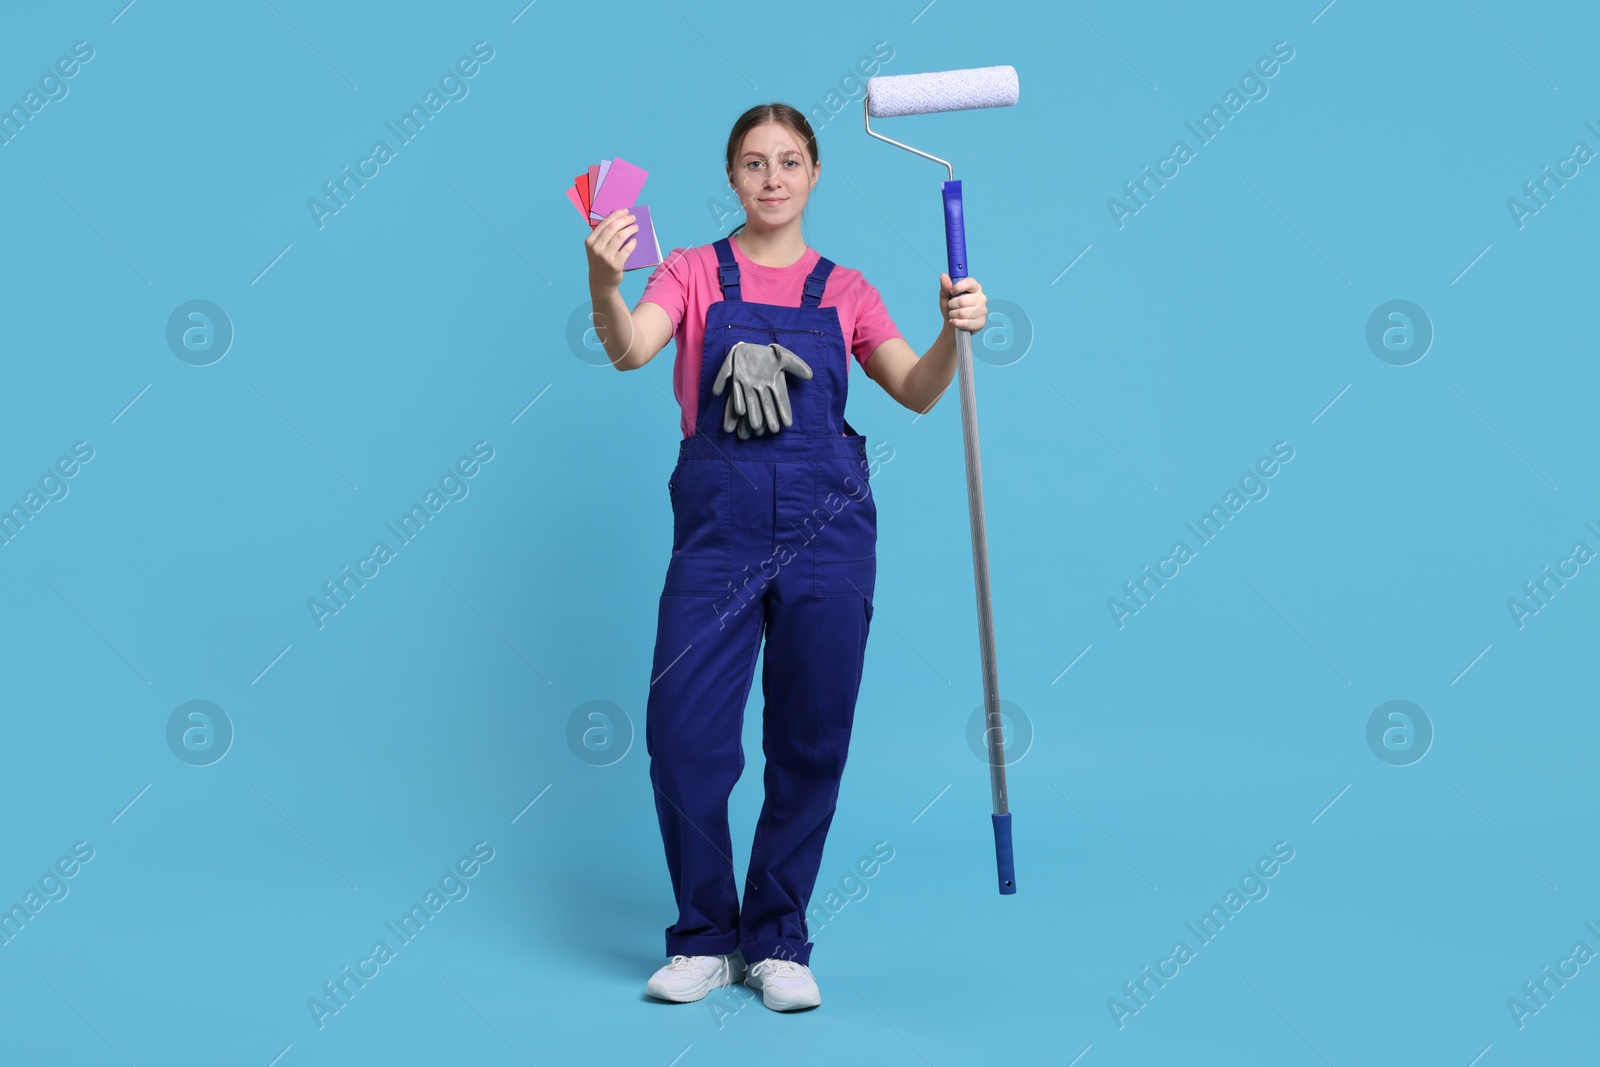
(1002, 852)
(955, 230)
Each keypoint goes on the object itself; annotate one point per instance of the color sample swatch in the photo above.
(619, 186)
(607, 186)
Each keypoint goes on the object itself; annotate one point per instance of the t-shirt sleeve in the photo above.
(873, 324)
(668, 286)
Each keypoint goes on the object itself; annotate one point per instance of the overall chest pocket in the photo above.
(702, 557)
(845, 541)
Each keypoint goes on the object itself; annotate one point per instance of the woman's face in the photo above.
(773, 175)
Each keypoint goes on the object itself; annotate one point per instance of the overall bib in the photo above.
(774, 536)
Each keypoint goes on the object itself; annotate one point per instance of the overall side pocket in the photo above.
(846, 545)
(702, 557)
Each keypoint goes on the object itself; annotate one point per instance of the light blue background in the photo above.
(1230, 713)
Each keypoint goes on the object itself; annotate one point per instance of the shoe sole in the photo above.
(783, 1005)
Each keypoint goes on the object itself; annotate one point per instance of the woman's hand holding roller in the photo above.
(963, 304)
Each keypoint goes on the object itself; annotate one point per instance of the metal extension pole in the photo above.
(994, 733)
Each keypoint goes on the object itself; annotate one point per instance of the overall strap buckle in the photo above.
(816, 281)
(727, 270)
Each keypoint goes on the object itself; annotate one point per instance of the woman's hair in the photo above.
(782, 114)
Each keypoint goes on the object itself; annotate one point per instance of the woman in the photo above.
(774, 534)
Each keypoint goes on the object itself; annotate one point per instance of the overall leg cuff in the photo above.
(781, 947)
(701, 944)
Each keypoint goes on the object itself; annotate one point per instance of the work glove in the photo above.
(758, 391)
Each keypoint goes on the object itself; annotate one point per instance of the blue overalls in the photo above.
(773, 535)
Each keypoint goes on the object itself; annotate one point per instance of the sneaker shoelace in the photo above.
(775, 968)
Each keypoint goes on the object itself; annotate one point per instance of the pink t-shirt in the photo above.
(686, 283)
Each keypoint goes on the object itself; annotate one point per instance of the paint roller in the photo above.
(919, 94)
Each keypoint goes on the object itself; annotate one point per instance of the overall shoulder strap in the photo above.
(816, 281)
(727, 270)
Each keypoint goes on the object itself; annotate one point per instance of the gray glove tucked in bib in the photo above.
(758, 392)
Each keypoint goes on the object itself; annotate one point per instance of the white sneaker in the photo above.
(689, 978)
(785, 985)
